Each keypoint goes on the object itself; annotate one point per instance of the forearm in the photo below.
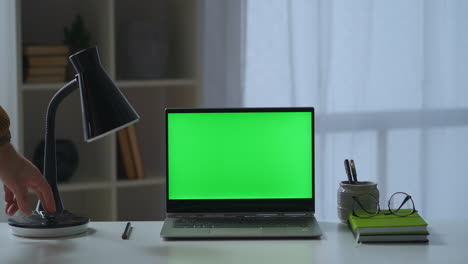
(7, 159)
(4, 127)
(5, 154)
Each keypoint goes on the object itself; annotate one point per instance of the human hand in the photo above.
(17, 174)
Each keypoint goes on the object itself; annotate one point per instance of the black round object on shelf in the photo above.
(67, 158)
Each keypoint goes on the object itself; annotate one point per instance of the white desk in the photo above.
(103, 244)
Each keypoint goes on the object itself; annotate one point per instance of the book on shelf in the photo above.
(38, 50)
(39, 71)
(50, 78)
(45, 74)
(130, 153)
(125, 154)
(48, 61)
(386, 227)
(45, 63)
(135, 150)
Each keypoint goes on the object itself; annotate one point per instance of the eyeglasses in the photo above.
(366, 205)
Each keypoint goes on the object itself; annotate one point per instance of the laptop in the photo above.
(240, 173)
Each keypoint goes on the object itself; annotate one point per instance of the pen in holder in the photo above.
(346, 191)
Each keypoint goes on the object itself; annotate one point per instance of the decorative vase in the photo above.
(345, 195)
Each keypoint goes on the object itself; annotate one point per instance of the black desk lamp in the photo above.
(105, 110)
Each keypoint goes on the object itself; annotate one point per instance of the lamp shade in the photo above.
(104, 108)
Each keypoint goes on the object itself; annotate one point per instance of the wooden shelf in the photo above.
(82, 186)
(96, 188)
(155, 83)
(42, 86)
(141, 182)
(70, 187)
(121, 84)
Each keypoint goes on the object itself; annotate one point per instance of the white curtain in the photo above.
(389, 81)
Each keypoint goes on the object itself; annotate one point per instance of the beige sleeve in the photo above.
(4, 127)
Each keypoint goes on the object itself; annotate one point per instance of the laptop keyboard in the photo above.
(241, 222)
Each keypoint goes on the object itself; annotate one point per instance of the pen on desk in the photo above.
(126, 233)
(348, 171)
(353, 171)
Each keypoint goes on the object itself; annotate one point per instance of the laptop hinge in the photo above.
(273, 214)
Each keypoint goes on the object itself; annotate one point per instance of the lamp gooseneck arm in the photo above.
(50, 161)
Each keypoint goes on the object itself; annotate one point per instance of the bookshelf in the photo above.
(99, 187)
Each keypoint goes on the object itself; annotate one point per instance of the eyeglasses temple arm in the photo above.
(403, 203)
(360, 204)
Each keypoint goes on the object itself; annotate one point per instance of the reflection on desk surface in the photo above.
(103, 244)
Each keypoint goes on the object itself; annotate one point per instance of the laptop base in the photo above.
(172, 229)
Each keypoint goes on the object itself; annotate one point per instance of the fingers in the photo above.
(16, 189)
(12, 209)
(9, 197)
(10, 202)
(22, 200)
(47, 199)
(45, 194)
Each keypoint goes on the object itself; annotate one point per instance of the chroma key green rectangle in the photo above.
(240, 155)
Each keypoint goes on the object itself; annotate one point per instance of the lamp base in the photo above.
(48, 226)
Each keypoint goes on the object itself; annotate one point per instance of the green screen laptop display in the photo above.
(240, 155)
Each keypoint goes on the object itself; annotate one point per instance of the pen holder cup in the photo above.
(345, 193)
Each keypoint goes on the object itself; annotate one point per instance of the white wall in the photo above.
(8, 73)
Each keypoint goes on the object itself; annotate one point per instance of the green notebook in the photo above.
(391, 238)
(390, 224)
